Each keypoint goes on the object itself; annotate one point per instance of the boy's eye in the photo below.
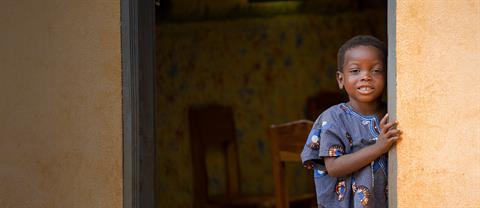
(354, 70)
(377, 70)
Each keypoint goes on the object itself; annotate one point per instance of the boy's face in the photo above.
(363, 74)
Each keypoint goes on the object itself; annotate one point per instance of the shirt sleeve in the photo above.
(310, 150)
(331, 143)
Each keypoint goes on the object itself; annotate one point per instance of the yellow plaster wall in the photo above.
(438, 89)
(60, 108)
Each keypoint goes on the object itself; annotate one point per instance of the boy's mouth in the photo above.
(365, 89)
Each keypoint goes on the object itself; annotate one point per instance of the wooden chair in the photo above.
(213, 126)
(287, 142)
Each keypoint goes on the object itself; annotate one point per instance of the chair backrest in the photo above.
(212, 126)
(287, 141)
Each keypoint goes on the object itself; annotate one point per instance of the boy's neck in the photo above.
(374, 108)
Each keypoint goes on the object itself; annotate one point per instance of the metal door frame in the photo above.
(392, 98)
(138, 101)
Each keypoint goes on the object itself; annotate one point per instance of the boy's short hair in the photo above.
(360, 40)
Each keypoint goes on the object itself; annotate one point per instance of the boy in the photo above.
(347, 145)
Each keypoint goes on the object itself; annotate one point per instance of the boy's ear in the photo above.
(340, 79)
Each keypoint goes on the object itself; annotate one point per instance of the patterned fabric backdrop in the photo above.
(265, 68)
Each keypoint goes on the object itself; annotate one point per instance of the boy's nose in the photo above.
(366, 77)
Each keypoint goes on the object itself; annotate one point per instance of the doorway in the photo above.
(199, 41)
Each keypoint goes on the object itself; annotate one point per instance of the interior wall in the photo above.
(438, 86)
(61, 126)
(191, 7)
(265, 68)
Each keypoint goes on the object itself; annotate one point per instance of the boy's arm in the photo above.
(349, 163)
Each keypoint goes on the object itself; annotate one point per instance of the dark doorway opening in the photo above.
(264, 59)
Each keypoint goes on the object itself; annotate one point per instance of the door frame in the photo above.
(138, 102)
(392, 97)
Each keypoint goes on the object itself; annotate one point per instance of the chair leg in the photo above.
(281, 190)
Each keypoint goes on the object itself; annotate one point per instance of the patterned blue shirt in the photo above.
(339, 131)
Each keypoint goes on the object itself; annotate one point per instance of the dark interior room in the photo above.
(228, 71)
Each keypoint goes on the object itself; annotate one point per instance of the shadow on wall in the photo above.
(265, 68)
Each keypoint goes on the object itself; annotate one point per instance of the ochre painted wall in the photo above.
(265, 68)
(60, 110)
(438, 89)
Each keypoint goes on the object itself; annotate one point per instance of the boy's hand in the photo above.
(389, 135)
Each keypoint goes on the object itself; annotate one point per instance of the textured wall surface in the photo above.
(438, 85)
(60, 126)
(265, 68)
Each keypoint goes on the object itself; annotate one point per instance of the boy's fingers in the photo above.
(393, 139)
(395, 124)
(388, 126)
(392, 132)
(384, 120)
